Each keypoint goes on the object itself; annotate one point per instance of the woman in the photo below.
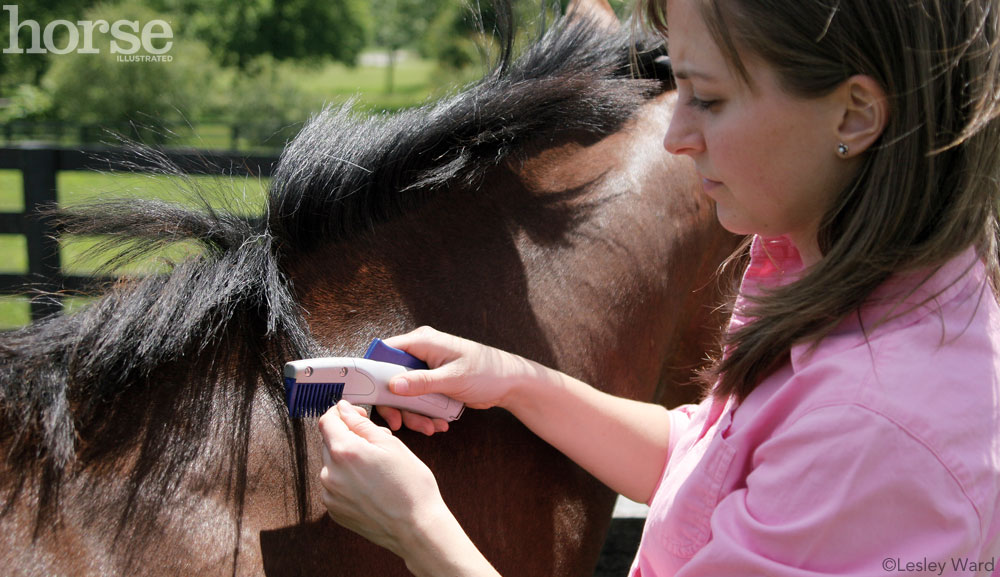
(852, 426)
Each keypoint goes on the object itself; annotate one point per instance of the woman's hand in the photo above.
(622, 442)
(372, 483)
(477, 375)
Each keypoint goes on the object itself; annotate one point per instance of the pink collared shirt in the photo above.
(875, 456)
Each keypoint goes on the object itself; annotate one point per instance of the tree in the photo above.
(461, 36)
(29, 68)
(100, 88)
(400, 24)
(239, 30)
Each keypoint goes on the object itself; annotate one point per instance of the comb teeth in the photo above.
(311, 399)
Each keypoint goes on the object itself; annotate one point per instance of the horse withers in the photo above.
(535, 211)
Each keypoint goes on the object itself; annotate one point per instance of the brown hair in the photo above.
(927, 189)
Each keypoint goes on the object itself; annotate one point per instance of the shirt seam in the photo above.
(803, 353)
(912, 435)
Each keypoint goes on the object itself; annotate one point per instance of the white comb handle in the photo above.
(432, 404)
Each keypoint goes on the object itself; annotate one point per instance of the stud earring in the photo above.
(842, 150)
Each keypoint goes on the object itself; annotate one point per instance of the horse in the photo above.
(535, 211)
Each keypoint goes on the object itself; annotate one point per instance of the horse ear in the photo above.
(598, 11)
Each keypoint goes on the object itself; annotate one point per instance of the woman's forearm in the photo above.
(438, 546)
(620, 441)
(375, 486)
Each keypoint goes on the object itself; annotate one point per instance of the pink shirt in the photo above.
(875, 457)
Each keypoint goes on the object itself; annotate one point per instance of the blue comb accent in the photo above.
(311, 399)
(379, 351)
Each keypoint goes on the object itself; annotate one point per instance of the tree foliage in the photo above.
(237, 31)
(101, 88)
(29, 68)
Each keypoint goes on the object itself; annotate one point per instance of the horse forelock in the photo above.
(344, 174)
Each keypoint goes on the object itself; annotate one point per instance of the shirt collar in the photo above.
(904, 298)
(774, 262)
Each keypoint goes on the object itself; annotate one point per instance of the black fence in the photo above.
(620, 547)
(39, 165)
(267, 136)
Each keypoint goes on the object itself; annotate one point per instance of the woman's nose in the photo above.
(682, 136)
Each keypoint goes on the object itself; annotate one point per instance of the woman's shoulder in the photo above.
(936, 364)
(936, 346)
(932, 374)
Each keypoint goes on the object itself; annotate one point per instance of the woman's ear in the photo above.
(865, 113)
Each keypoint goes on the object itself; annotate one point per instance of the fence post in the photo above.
(38, 167)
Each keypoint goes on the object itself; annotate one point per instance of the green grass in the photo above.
(414, 83)
(245, 195)
(336, 82)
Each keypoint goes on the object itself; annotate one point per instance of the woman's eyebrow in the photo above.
(686, 74)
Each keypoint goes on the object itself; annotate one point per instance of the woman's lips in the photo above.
(708, 184)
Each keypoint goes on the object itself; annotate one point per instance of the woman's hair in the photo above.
(927, 189)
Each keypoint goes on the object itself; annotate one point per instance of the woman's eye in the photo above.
(701, 104)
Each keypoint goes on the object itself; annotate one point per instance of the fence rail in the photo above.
(39, 165)
(244, 136)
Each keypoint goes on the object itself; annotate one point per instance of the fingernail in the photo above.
(400, 386)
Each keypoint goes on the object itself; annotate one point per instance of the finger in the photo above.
(360, 425)
(393, 417)
(416, 341)
(418, 423)
(324, 472)
(359, 410)
(332, 428)
(327, 458)
(444, 380)
(326, 479)
(431, 346)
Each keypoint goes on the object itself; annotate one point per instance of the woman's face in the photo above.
(768, 159)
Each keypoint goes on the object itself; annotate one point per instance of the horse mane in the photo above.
(228, 315)
(342, 174)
